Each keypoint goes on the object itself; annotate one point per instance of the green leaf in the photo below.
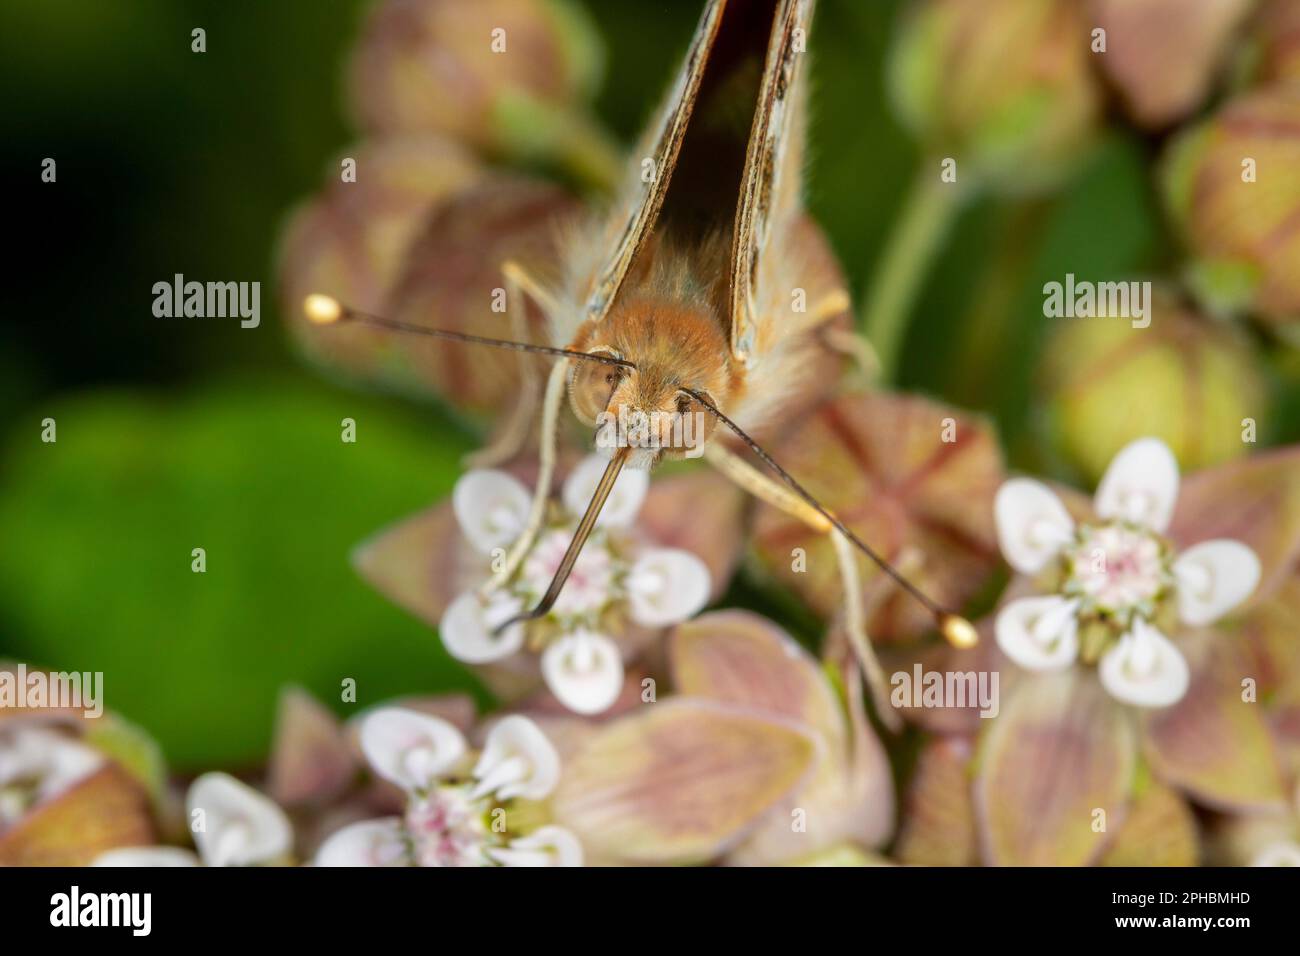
(95, 560)
(136, 751)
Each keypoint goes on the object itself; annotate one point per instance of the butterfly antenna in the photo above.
(588, 522)
(956, 629)
(326, 310)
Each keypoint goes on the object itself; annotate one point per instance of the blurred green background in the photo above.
(182, 433)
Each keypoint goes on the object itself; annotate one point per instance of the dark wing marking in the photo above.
(631, 227)
(770, 188)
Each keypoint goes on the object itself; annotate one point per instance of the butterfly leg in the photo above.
(846, 341)
(552, 405)
(850, 343)
(767, 489)
(513, 435)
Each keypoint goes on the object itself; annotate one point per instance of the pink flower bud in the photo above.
(1164, 55)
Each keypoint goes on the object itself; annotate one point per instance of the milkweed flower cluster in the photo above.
(1116, 580)
(458, 809)
(617, 580)
(1146, 642)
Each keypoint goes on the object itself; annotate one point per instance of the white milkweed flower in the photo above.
(1118, 579)
(232, 823)
(616, 579)
(1283, 853)
(460, 805)
(37, 764)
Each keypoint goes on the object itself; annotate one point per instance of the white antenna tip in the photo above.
(322, 309)
(958, 631)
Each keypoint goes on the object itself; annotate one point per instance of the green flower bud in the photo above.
(1164, 55)
(1184, 379)
(497, 75)
(1003, 86)
(1232, 189)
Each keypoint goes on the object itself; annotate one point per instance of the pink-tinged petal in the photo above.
(468, 627)
(1033, 524)
(1284, 721)
(235, 825)
(702, 513)
(1165, 56)
(108, 809)
(147, 856)
(567, 734)
(491, 508)
(938, 819)
(880, 462)
(624, 501)
(350, 240)
(545, 846)
(584, 670)
(410, 749)
(311, 760)
(1256, 502)
(1270, 637)
(681, 782)
(1141, 485)
(1159, 830)
(666, 586)
(517, 761)
(1213, 578)
(1270, 640)
(962, 712)
(1059, 751)
(1212, 743)
(421, 563)
(368, 843)
(870, 817)
(1144, 669)
(1039, 633)
(740, 658)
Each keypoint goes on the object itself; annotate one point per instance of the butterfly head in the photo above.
(647, 405)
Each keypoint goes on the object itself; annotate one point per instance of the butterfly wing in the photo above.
(728, 164)
(629, 228)
(770, 191)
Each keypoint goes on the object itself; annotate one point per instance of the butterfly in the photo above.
(702, 308)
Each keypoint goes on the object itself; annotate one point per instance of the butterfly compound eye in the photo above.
(590, 386)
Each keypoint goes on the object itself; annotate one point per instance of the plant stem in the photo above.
(988, 324)
(927, 213)
(568, 138)
(590, 153)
